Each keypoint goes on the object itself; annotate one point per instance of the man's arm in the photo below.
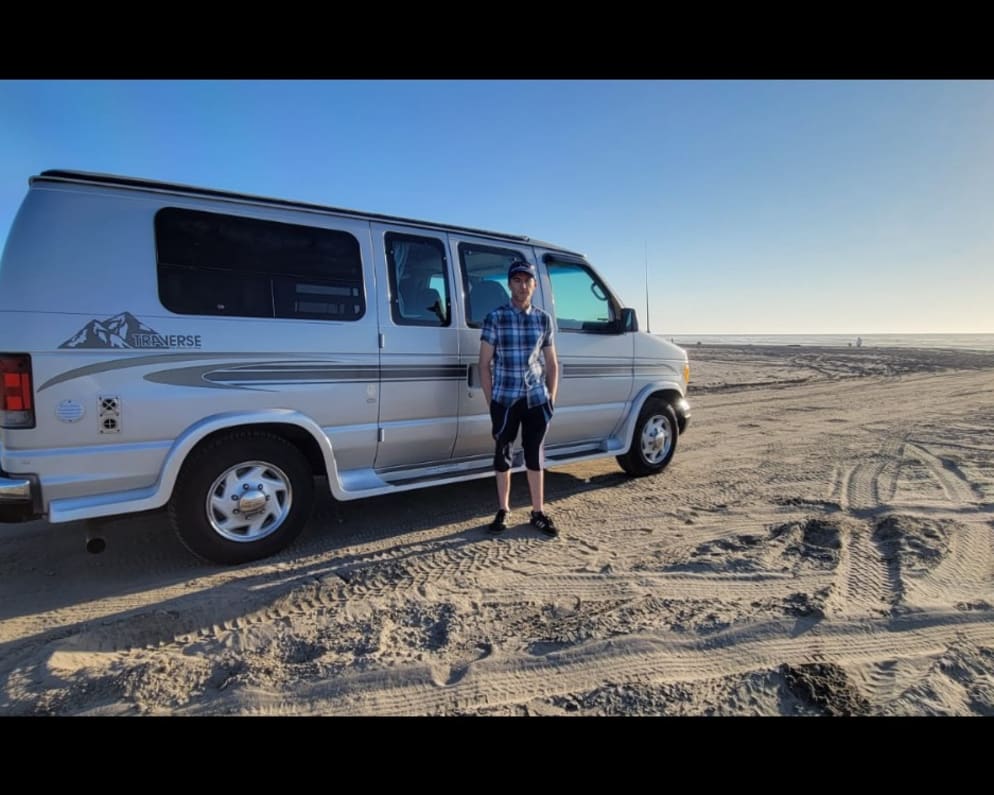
(551, 371)
(486, 377)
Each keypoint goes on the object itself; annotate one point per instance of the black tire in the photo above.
(654, 440)
(266, 481)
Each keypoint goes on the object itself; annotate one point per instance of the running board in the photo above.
(482, 467)
(356, 484)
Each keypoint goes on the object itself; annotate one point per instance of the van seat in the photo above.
(484, 298)
(417, 302)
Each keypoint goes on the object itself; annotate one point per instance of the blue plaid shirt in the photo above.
(518, 337)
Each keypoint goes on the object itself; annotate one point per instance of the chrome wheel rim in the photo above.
(657, 439)
(249, 501)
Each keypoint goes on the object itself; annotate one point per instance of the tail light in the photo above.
(16, 398)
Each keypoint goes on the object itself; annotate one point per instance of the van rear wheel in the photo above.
(242, 496)
(654, 440)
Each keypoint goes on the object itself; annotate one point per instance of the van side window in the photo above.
(213, 264)
(419, 287)
(484, 274)
(583, 303)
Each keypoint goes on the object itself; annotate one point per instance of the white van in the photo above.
(211, 352)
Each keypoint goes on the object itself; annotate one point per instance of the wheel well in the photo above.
(294, 434)
(670, 396)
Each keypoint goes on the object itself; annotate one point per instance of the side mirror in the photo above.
(628, 321)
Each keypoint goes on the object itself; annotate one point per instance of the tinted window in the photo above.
(419, 287)
(484, 273)
(582, 301)
(213, 264)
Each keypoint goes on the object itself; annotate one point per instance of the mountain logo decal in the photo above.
(126, 331)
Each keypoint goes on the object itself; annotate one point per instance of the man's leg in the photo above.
(533, 429)
(505, 422)
(504, 490)
(536, 487)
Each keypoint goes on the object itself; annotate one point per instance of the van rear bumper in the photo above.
(17, 503)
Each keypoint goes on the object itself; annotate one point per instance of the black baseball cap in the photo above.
(520, 266)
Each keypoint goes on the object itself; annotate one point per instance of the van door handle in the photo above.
(473, 375)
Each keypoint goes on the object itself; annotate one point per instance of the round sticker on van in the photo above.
(69, 411)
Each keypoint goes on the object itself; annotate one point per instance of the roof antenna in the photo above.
(648, 325)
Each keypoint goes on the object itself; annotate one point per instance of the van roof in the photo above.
(136, 183)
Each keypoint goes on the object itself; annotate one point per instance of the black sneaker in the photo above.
(499, 524)
(544, 523)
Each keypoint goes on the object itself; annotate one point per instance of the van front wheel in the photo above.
(242, 496)
(654, 440)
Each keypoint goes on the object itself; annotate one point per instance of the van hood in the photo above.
(653, 346)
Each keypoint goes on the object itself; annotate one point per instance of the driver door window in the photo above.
(582, 301)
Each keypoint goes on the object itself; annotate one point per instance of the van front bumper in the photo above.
(682, 409)
(17, 503)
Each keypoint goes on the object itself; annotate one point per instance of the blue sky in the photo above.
(781, 206)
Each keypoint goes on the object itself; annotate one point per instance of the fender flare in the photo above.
(203, 428)
(628, 426)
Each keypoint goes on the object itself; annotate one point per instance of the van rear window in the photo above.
(214, 264)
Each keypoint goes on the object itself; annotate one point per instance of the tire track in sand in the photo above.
(963, 574)
(500, 680)
(447, 569)
(864, 584)
(594, 587)
(957, 488)
(870, 483)
(886, 680)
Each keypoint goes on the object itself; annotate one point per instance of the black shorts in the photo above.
(534, 422)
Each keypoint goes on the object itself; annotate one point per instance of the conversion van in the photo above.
(218, 354)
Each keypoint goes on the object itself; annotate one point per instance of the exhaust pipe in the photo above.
(95, 543)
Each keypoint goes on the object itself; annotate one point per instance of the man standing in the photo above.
(518, 340)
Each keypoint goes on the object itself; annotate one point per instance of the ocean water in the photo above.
(976, 342)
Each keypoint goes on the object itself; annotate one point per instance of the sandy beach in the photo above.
(822, 544)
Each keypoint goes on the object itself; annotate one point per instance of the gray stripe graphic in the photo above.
(596, 370)
(228, 374)
(274, 372)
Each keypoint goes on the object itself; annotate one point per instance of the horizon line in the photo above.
(820, 333)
